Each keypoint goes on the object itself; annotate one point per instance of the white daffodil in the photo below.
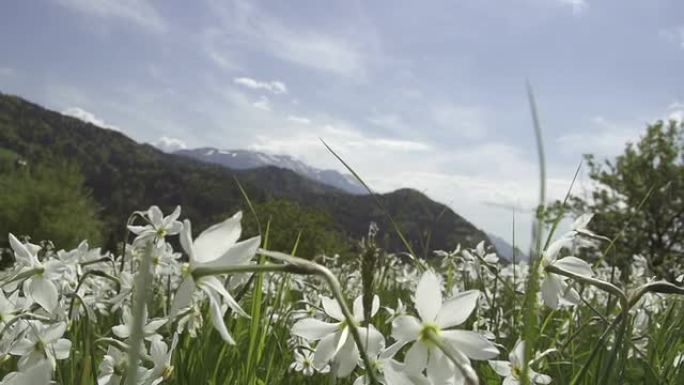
(38, 374)
(553, 287)
(42, 342)
(394, 313)
(304, 362)
(336, 342)
(114, 367)
(436, 317)
(159, 226)
(161, 356)
(124, 330)
(512, 369)
(39, 285)
(8, 309)
(216, 248)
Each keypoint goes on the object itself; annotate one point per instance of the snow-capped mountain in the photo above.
(245, 159)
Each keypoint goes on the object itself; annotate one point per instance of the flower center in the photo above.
(429, 332)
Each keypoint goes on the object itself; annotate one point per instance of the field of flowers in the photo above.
(215, 309)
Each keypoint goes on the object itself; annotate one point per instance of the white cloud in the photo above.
(246, 26)
(468, 122)
(674, 35)
(88, 117)
(275, 87)
(169, 145)
(577, 6)
(299, 119)
(393, 122)
(607, 138)
(676, 112)
(307, 144)
(140, 12)
(263, 104)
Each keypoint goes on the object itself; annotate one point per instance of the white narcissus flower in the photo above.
(39, 286)
(123, 331)
(113, 367)
(336, 342)
(436, 317)
(38, 374)
(159, 225)
(512, 369)
(8, 309)
(303, 362)
(553, 287)
(40, 343)
(216, 247)
(161, 356)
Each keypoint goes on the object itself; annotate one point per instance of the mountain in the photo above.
(245, 160)
(505, 249)
(125, 176)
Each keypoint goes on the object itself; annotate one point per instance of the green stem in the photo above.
(144, 279)
(302, 266)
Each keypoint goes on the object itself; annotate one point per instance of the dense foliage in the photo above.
(639, 198)
(49, 202)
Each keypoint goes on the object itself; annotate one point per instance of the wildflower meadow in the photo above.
(213, 308)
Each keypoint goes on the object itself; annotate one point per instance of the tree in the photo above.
(46, 202)
(639, 197)
(288, 222)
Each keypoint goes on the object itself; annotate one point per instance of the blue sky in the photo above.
(429, 94)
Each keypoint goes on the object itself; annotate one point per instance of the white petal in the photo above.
(155, 215)
(428, 296)
(54, 332)
(416, 358)
(471, 344)
(183, 296)
(238, 254)
(405, 328)
(217, 319)
(502, 368)
(62, 348)
(158, 349)
(574, 265)
(347, 358)
(457, 309)
(212, 283)
(217, 239)
(186, 241)
(38, 374)
(21, 253)
(439, 368)
(358, 307)
(153, 325)
(325, 350)
(121, 331)
(517, 355)
(550, 290)
(373, 340)
(313, 329)
(22, 347)
(539, 378)
(395, 375)
(44, 293)
(332, 308)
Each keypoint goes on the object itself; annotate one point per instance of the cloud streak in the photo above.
(275, 87)
(139, 12)
(88, 117)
